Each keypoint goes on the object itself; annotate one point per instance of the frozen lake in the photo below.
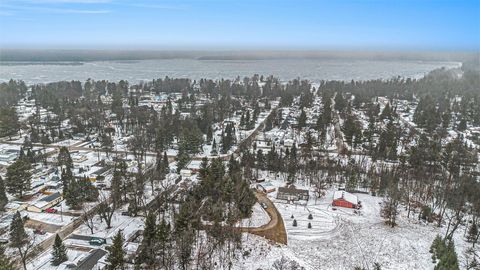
(285, 69)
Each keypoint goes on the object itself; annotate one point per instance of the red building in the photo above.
(345, 199)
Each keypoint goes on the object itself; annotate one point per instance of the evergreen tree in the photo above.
(302, 119)
(386, 113)
(472, 233)
(19, 239)
(59, 252)
(209, 134)
(116, 255)
(443, 250)
(340, 102)
(74, 196)
(214, 148)
(387, 145)
(163, 240)
(165, 166)
(147, 254)
(202, 173)
(3, 195)
(228, 138)
(19, 177)
(88, 191)
(9, 124)
(182, 158)
(67, 178)
(64, 159)
(462, 125)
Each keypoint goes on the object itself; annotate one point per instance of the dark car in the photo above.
(97, 241)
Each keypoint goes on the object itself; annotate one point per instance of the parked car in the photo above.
(97, 241)
(101, 186)
(264, 205)
(3, 241)
(51, 210)
(39, 231)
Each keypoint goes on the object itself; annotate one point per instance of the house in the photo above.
(194, 166)
(45, 203)
(291, 193)
(185, 172)
(266, 187)
(91, 260)
(8, 155)
(344, 199)
(288, 143)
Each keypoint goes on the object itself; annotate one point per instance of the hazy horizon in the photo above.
(54, 55)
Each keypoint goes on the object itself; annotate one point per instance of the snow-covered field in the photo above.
(341, 239)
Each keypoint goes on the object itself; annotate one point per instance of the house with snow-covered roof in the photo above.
(45, 203)
(291, 193)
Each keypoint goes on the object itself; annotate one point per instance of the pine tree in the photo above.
(386, 113)
(59, 252)
(163, 242)
(116, 185)
(147, 254)
(294, 223)
(472, 233)
(302, 120)
(209, 134)
(88, 191)
(73, 195)
(64, 159)
(9, 123)
(165, 165)
(67, 178)
(202, 173)
(3, 195)
(214, 148)
(19, 239)
(116, 256)
(19, 177)
(182, 158)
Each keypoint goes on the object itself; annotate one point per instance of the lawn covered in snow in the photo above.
(342, 239)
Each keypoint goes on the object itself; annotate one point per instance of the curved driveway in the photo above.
(273, 230)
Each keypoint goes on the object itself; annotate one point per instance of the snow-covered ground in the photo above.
(342, 239)
(50, 218)
(259, 217)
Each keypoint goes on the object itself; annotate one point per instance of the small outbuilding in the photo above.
(344, 199)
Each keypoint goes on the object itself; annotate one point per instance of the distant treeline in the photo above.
(52, 55)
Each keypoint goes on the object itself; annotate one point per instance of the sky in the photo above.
(452, 25)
